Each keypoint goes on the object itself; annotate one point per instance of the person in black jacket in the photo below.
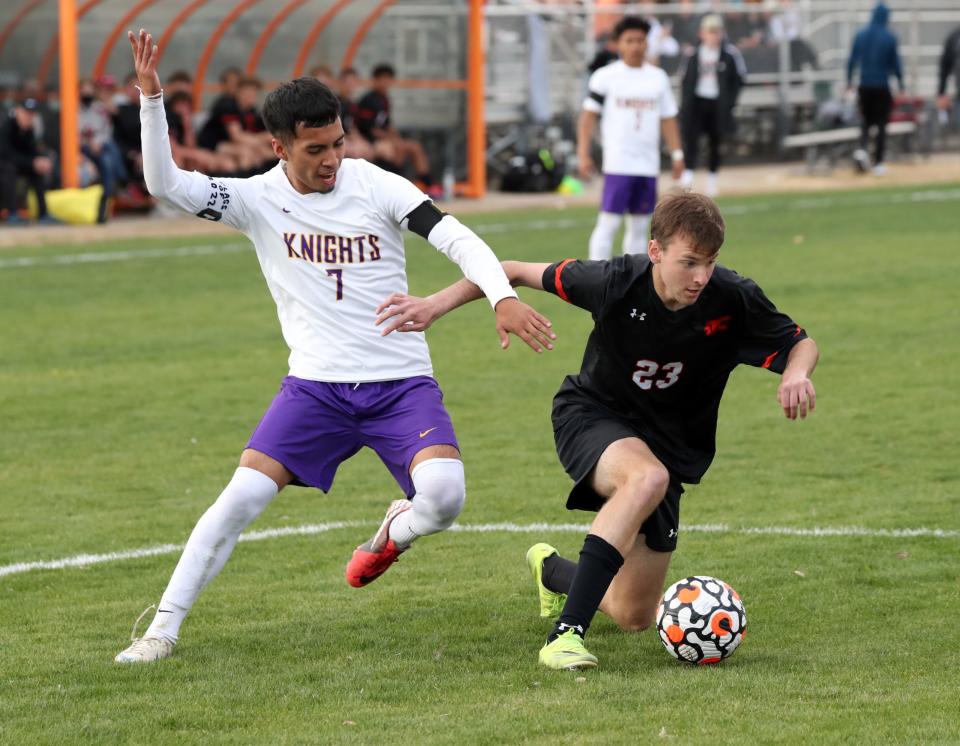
(949, 65)
(711, 78)
(21, 157)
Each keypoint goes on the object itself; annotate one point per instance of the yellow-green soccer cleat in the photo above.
(567, 653)
(551, 602)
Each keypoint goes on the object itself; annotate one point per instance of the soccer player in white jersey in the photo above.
(636, 104)
(327, 233)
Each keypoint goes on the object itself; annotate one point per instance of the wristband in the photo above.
(677, 155)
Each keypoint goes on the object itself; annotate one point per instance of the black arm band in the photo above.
(424, 217)
(597, 97)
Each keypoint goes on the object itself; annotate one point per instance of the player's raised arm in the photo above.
(212, 199)
(408, 313)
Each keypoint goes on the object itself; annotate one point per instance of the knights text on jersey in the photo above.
(662, 370)
(631, 102)
(329, 260)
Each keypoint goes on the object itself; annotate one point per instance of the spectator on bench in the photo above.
(373, 122)
(22, 156)
(236, 130)
(95, 127)
(187, 154)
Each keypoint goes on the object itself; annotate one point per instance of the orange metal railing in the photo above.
(268, 31)
(12, 24)
(66, 41)
(111, 40)
(211, 47)
(314, 34)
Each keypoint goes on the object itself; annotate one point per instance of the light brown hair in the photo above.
(693, 216)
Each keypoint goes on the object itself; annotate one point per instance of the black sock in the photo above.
(599, 563)
(558, 573)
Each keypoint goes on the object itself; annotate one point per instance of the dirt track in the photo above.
(733, 181)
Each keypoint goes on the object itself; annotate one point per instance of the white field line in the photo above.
(806, 203)
(85, 560)
(97, 257)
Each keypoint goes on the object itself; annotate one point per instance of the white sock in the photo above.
(635, 236)
(439, 499)
(711, 184)
(209, 547)
(686, 179)
(601, 240)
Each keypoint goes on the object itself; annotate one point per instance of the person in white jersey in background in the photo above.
(327, 233)
(711, 77)
(635, 102)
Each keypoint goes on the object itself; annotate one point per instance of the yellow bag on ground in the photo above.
(73, 206)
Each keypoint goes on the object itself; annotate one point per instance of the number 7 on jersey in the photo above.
(338, 273)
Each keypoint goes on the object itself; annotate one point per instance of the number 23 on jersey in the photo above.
(646, 374)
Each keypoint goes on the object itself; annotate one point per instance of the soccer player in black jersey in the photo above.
(640, 418)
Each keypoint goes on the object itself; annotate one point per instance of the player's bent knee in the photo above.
(244, 498)
(441, 490)
(647, 486)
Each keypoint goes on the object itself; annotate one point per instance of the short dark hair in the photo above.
(179, 76)
(693, 216)
(384, 69)
(630, 23)
(302, 101)
(249, 81)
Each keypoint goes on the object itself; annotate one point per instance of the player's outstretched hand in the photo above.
(145, 57)
(516, 317)
(409, 313)
(797, 396)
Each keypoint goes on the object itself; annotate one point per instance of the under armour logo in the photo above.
(638, 316)
(673, 532)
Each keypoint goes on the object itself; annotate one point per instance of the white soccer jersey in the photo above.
(329, 259)
(631, 102)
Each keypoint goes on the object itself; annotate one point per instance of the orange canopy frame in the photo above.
(65, 42)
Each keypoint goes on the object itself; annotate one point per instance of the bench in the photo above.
(813, 142)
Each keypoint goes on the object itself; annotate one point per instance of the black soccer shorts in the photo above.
(582, 432)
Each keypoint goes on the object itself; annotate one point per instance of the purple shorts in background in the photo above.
(311, 427)
(636, 195)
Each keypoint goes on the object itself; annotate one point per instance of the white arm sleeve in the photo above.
(597, 89)
(477, 261)
(211, 198)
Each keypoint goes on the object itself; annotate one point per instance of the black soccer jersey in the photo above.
(663, 370)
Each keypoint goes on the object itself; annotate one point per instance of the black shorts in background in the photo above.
(582, 432)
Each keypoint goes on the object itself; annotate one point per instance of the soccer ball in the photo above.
(701, 620)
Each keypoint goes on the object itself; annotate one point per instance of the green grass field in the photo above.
(129, 386)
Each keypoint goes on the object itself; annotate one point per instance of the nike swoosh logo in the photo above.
(425, 433)
(285, 210)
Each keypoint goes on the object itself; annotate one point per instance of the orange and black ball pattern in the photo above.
(701, 620)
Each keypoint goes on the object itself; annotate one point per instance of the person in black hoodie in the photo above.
(711, 78)
(21, 156)
(949, 65)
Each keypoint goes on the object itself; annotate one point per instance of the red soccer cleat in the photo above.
(373, 558)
